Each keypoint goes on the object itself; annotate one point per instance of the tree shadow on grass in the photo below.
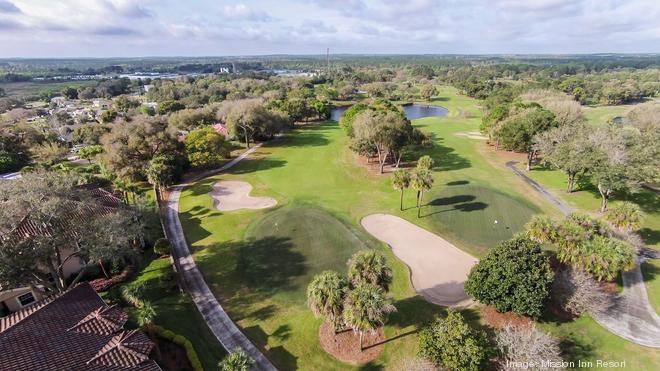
(458, 182)
(446, 158)
(650, 236)
(413, 311)
(250, 165)
(269, 264)
(441, 201)
(282, 358)
(308, 137)
(649, 271)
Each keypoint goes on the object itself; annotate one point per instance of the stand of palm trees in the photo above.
(359, 301)
(420, 179)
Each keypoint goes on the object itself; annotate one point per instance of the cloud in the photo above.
(113, 31)
(9, 25)
(8, 7)
(245, 13)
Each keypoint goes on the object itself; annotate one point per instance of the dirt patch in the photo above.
(229, 195)
(372, 165)
(172, 356)
(497, 320)
(438, 268)
(345, 346)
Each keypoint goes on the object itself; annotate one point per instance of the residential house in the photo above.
(14, 299)
(74, 330)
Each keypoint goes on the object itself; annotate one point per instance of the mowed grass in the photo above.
(36, 87)
(585, 340)
(651, 271)
(318, 185)
(478, 215)
(597, 115)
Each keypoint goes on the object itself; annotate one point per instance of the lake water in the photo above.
(413, 111)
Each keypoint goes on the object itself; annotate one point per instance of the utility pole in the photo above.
(327, 61)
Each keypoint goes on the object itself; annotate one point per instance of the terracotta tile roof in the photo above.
(16, 317)
(107, 202)
(49, 336)
(127, 349)
(103, 321)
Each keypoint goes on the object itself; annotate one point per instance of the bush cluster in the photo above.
(193, 358)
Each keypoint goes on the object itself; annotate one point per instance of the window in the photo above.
(26, 299)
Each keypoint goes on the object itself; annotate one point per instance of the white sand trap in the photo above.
(471, 135)
(439, 269)
(231, 195)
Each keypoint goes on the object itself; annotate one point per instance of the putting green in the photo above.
(286, 248)
(477, 215)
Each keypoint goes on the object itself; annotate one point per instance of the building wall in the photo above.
(10, 297)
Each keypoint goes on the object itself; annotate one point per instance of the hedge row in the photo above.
(181, 340)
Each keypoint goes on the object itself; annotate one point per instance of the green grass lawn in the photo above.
(36, 87)
(601, 114)
(651, 271)
(258, 262)
(585, 340)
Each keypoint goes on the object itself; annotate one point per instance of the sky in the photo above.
(132, 28)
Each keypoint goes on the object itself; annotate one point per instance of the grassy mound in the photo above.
(469, 213)
(286, 248)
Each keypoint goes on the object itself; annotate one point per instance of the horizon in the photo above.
(72, 29)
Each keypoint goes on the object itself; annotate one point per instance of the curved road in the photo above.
(224, 329)
(631, 317)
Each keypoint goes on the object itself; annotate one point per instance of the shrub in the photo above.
(513, 276)
(526, 345)
(577, 292)
(451, 344)
(236, 361)
(626, 216)
(604, 257)
(162, 246)
(191, 354)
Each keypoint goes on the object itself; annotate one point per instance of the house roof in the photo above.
(107, 201)
(75, 330)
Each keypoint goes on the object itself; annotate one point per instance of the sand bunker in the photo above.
(231, 195)
(439, 269)
(471, 135)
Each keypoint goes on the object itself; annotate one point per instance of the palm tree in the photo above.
(626, 216)
(401, 181)
(325, 296)
(421, 181)
(145, 318)
(425, 163)
(236, 361)
(369, 267)
(542, 229)
(160, 173)
(366, 309)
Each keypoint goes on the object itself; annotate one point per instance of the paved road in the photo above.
(556, 201)
(224, 329)
(632, 316)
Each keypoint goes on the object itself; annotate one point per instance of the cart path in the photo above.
(224, 329)
(631, 317)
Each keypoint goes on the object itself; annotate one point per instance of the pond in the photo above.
(413, 111)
